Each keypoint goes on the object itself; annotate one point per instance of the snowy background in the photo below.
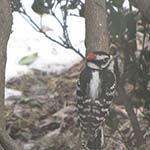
(24, 41)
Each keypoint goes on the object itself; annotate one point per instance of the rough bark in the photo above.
(144, 7)
(6, 143)
(96, 26)
(5, 30)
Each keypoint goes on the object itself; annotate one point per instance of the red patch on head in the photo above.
(91, 56)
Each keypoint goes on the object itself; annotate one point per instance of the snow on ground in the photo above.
(51, 57)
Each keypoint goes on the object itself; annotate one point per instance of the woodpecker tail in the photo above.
(97, 143)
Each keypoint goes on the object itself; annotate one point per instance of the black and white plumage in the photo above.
(95, 91)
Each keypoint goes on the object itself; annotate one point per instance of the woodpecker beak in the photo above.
(91, 56)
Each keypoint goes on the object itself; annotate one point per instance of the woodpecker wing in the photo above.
(93, 103)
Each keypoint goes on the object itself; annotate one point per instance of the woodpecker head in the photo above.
(99, 60)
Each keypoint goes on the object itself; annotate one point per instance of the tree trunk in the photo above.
(6, 143)
(5, 30)
(96, 36)
(96, 26)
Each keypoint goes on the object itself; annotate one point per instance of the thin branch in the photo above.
(31, 24)
(57, 18)
(65, 31)
(66, 44)
(59, 24)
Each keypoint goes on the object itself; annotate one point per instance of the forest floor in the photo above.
(43, 116)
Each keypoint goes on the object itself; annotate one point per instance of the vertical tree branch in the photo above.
(5, 30)
(96, 26)
(6, 142)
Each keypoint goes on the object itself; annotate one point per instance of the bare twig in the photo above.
(65, 31)
(66, 44)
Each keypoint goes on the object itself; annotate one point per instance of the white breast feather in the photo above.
(94, 85)
(111, 66)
